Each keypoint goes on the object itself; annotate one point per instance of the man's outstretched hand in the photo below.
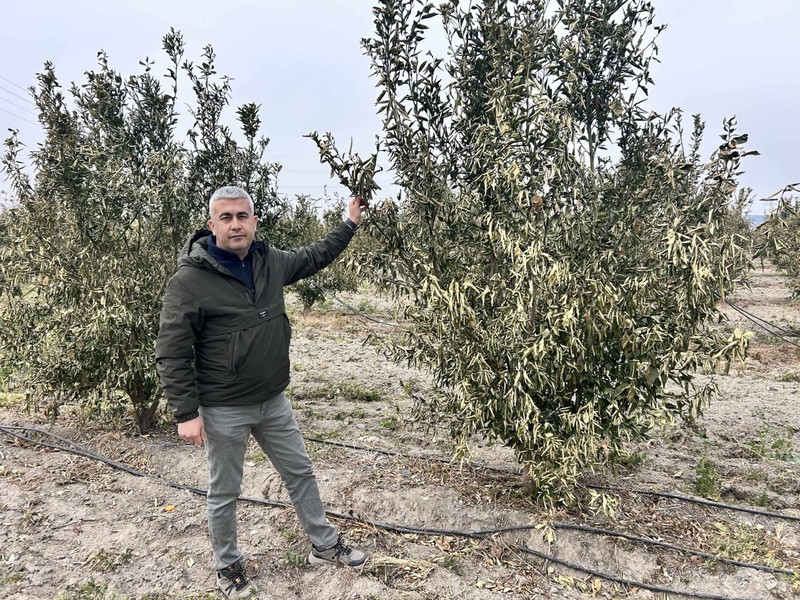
(354, 208)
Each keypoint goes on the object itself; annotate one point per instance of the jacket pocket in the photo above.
(213, 359)
(233, 358)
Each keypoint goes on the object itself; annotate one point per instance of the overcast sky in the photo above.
(302, 62)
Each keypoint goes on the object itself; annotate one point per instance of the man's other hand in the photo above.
(192, 431)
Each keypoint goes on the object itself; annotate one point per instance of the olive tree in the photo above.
(736, 222)
(97, 227)
(558, 250)
(779, 236)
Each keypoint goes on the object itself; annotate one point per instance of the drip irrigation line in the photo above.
(763, 323)
(485, 534)
(622, 580)
(353, 309)
(77, 449)
(641, 540)
(752, 318)
(394, 453)
(680, 549)
(73, 448)
(703, 501)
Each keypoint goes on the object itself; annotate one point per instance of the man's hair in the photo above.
(230, 192)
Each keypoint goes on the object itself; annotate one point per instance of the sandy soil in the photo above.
(76, 528)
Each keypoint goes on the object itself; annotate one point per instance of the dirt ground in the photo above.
(74, 527)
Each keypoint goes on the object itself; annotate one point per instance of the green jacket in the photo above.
(220, 342)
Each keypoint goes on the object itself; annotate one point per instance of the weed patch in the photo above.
(749, 544)
(10, 579)
(707, 481)
(109, 560)
(347, 390)
(8, 399)
(89, 590)
(770, 444)
(294, 559)
(390, 423)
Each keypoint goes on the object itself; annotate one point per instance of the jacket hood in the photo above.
(194, 249)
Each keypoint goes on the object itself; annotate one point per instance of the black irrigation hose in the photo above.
(485, 534)
(621, 580)
(681, 549)
(353, 309)
(641, 540)
(385, 526)
(756, 320)
(703, 501)
(74, 448)
(386, 452)
(759, 320)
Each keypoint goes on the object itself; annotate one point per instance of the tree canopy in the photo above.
(559, 249)
(97, 229)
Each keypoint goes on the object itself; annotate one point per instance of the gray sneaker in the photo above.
(233, 582)
(338, 554)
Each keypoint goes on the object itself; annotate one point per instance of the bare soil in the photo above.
(74, 527)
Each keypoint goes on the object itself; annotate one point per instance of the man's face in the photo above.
(233, 224)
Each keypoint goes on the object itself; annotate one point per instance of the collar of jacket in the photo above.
(195, 250)
(221, 253)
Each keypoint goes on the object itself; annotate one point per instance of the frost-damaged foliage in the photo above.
(97, 229)
(779, 236)
(562, 299)
(736, 221)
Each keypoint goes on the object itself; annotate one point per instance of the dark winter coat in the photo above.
(222, 343)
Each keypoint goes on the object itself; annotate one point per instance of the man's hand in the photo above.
(192, 431)
(354, 208)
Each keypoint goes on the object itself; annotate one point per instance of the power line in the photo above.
(13, 93)
(18, 106)
(311, 186)
(16, 115)
(12, 83)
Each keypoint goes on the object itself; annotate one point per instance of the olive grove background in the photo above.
(94, 233)
(779, 237)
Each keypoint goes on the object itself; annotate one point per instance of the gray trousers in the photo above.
(274, 427)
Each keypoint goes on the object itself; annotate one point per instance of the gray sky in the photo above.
(302, 61)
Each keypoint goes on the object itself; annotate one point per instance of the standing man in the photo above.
(223, 359)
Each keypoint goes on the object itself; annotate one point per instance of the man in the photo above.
(223, 358)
